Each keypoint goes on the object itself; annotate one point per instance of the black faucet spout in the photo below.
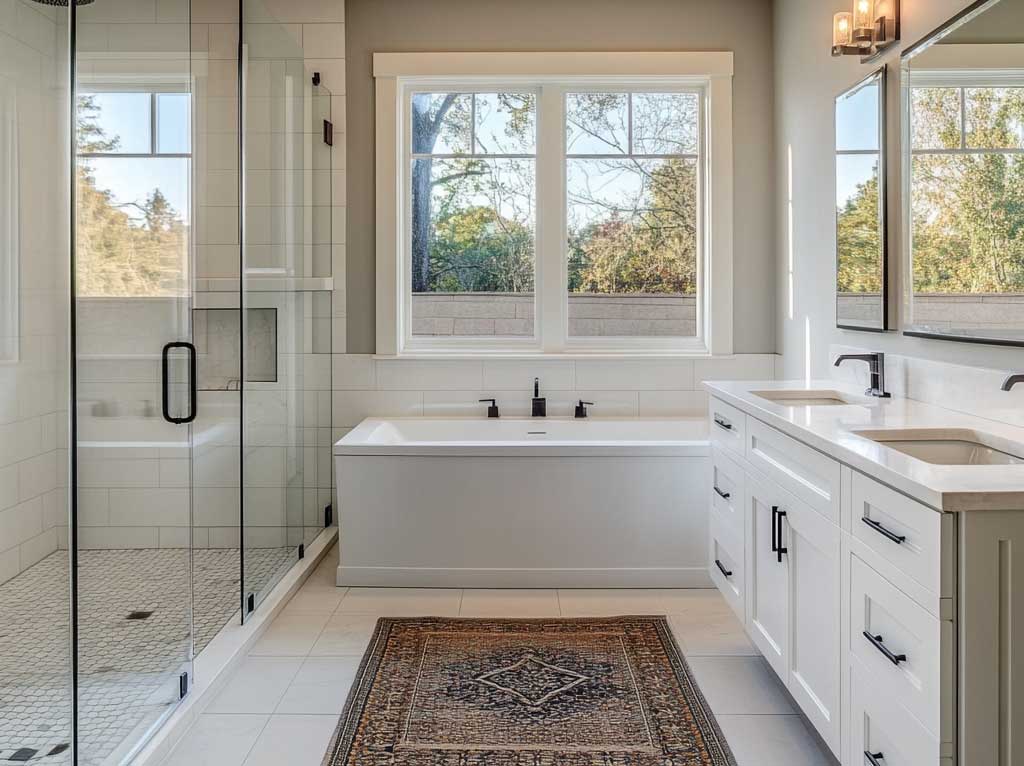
(876, 361)
(1012, 380)
(540, 404)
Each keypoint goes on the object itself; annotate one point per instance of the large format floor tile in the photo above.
(773, 740)
(218, 740)
(308, 658)
(509, 603)
(741, 686)
(291, 635)
(402, 602)
(320, 687)
(257, 686)
(294, 740)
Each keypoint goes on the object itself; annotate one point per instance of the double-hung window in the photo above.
(527, 212)
(133, 184)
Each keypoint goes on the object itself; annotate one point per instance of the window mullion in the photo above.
(552, 322)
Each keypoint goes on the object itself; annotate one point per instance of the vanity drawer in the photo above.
(899, 643)
(902, 531)
(805, 472)
(727, 426)
(728, 481)
(727, 569)
(883, 729)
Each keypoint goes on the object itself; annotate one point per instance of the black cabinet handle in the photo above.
(722, 569)
(779, 550)
(721, 494)
(876, 641)
(775, 515)
(723, 423)
(898, 539)
(193, 383)
(873, 758)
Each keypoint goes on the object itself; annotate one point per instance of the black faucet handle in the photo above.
(492, 411)
(581, 408)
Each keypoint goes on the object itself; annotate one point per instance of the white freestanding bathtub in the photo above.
(523, 502)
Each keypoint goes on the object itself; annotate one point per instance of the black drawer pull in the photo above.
(722, 569)
(876, 641)
(723, 423)
(873, 758)
(775, 526)
(721, 494)
(898, 539)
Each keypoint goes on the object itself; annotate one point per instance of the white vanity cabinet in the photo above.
(847, 593)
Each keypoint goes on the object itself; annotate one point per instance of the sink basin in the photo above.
(950, 446)
(801, 397)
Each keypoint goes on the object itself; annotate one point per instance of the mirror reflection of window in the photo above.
(860, 203)
(134, 166)
(965, 233)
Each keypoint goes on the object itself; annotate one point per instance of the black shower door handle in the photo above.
(193, 395)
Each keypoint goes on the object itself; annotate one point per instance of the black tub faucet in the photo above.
(876, 362)
(540, 404)
(1012, 380)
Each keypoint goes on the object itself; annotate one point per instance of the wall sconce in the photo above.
(872, 27)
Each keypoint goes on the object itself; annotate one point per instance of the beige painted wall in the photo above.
(742, 26)
(807, 80)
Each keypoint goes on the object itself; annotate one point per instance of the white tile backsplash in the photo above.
(639, 375)
(973, 390)
(365, 386)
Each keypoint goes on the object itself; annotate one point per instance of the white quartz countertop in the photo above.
(830, 429)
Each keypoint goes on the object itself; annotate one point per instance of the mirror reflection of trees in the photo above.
(859, 239)
(968, 190)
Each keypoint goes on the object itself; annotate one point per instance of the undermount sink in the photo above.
(802, 397)
(949, 446)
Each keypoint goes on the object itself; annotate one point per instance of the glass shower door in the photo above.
(135, 376)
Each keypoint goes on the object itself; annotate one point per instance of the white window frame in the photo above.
(553, 75)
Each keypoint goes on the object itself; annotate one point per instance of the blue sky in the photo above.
(856, 129)
(126, 116)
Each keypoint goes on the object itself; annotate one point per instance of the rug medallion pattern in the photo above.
(557, 692)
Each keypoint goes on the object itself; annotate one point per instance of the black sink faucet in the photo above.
(540, 404)
(492, 411)
(1012, 380)
(877, 363)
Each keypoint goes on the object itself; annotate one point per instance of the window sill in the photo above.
(569, 356)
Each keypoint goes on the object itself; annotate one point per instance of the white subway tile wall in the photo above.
(33, 413)
(365, 386)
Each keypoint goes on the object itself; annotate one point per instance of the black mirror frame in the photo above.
(954, 22)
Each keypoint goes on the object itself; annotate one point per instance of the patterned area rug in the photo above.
(579, 692)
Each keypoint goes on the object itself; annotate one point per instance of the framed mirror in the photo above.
(963, 170)
(861, 248)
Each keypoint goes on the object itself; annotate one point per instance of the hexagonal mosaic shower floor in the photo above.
(133, 630)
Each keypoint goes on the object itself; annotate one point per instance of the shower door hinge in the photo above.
(329, 515)
(328, 132)
(250, 602)
(182, 685)
(316, 78)
(302, 551)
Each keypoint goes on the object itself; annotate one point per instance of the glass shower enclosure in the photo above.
(165, 277)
